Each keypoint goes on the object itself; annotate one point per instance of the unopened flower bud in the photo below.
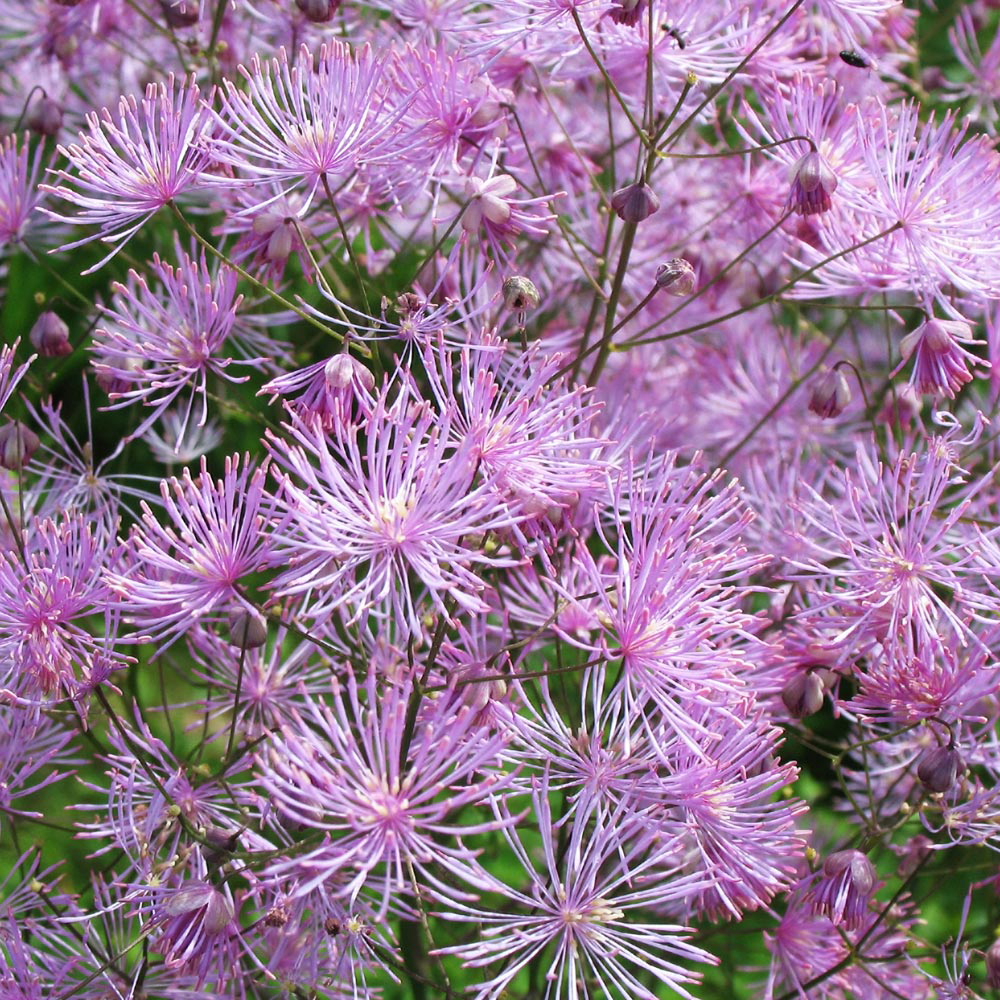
(247, 629)
(812, 184)
(831, 394)
(803, 694)
(181, 13)
(993, 965)
(520, 294)
(676, 277)
(342, 370)
(50, 336)
(319, 11)
(938, 768)
(17, 445)
(45, 117)
(635, 202)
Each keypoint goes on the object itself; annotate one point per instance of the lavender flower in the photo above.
(129, 166)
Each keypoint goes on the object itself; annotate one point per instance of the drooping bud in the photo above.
(50, 336)
(341, 371)
(803, 694)
(318, 11)
(45, 116)
(813, 182)
(635, 202)
(676, 277)
(939, 768)
(181, 13)
(17, 445)
(247, 629)
(831, 394)
(520, 294)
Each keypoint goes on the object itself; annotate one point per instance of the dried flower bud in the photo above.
(635, 202)
(181, 13)
(938, 768)
(831, 394)
(45, 117)
(803, 694)
(520, 294)
(676, 277)
(247, 629)
(50, 336)
(319, 11)
(812, 184)
(17, 445)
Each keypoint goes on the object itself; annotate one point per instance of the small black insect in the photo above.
(675, 34)
(854, 59)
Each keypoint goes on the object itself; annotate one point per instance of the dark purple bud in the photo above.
(938, 768)
(50, 336)
(181, 13)
(247, 629)
(520, 294)
(803, 694)
(812, 184)
(676, 277)
(45, 117)
(635, 202)
(831, 394)
(17, 445)
(318, 10)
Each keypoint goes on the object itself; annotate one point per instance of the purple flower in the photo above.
(195, 562)
(844, 888)
(158, 341)
(19, 195)
(577, 907)
(389, 793)
(383, 511)
(312, 119)
(127, 167)
(940, 363)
